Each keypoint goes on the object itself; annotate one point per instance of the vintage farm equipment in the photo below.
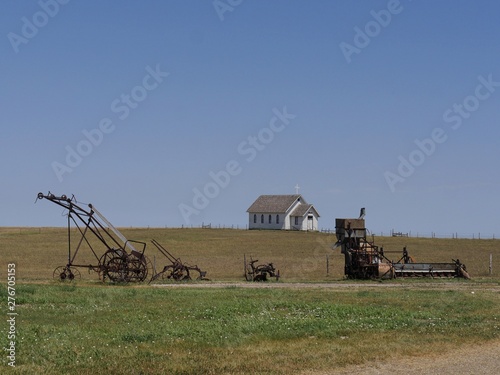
(121, 260)
(259, 272)
(406, 267)
(365, 260)
(176, 270)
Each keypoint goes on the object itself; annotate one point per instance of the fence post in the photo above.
(245, 266)
(327, 265)
(491, 264)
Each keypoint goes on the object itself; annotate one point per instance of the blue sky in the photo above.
(170, 93)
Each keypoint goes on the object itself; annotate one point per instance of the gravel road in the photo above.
(478, 360)
(341, 285)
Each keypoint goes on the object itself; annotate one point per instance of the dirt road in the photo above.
(341, 285)
(479, 360)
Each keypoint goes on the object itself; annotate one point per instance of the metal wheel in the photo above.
(138, 269)
(115, 266)
(118, 270)
(65, 273)
(248, 276)
(103, 261)
(165, 274)
(260, 277)
(181, 273)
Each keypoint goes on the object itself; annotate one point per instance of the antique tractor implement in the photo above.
(176, 270)
(259, 272)
(412, 269)
(121, 260)
(365, 260)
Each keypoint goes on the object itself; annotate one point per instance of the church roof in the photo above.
(274, 203)
(303, 209)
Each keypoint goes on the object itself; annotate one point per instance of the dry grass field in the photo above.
(300, 256)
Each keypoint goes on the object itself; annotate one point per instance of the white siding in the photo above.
(303, 222)
(286, 221)
(266, 225)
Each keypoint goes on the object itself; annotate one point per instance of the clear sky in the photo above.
(170, 113)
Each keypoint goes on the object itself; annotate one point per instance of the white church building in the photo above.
(288, 212)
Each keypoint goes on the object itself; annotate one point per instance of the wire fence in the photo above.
(389, 233)
(453, 235)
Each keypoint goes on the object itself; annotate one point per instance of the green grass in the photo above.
(95, 329)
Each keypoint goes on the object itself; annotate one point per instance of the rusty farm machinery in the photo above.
(365, 260)
(121, 259)
(176, 270)
(259, 272)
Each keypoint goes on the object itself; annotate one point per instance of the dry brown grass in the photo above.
(300, 256)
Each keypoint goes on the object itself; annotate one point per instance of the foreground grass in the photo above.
(112, 329)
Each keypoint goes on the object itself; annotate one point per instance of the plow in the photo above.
(365, 260)
(116, 258)
(176, 270)
(259, 272)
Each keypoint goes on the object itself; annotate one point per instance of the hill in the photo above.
(300, 256)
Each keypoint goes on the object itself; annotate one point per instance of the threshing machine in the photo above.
(365, 260)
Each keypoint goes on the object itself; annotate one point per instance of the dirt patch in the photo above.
(483, 359)
(337, 285)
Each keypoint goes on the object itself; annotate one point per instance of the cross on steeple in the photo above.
(297, 187)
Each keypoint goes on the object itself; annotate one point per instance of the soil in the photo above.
(483, 359)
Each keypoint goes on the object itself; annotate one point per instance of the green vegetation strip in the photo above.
(112, 329)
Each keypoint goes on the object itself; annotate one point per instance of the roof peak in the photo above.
(280, 195)
(274, 203)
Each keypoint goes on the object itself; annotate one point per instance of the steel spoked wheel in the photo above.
(138, 269)
(117, 269)
(65, 273)
(165, 274)
(114, 264)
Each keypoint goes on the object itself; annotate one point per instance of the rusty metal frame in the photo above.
(116, 263)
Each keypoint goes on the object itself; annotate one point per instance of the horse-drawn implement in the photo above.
(176, 270)
(259, 272)
(123, 260)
